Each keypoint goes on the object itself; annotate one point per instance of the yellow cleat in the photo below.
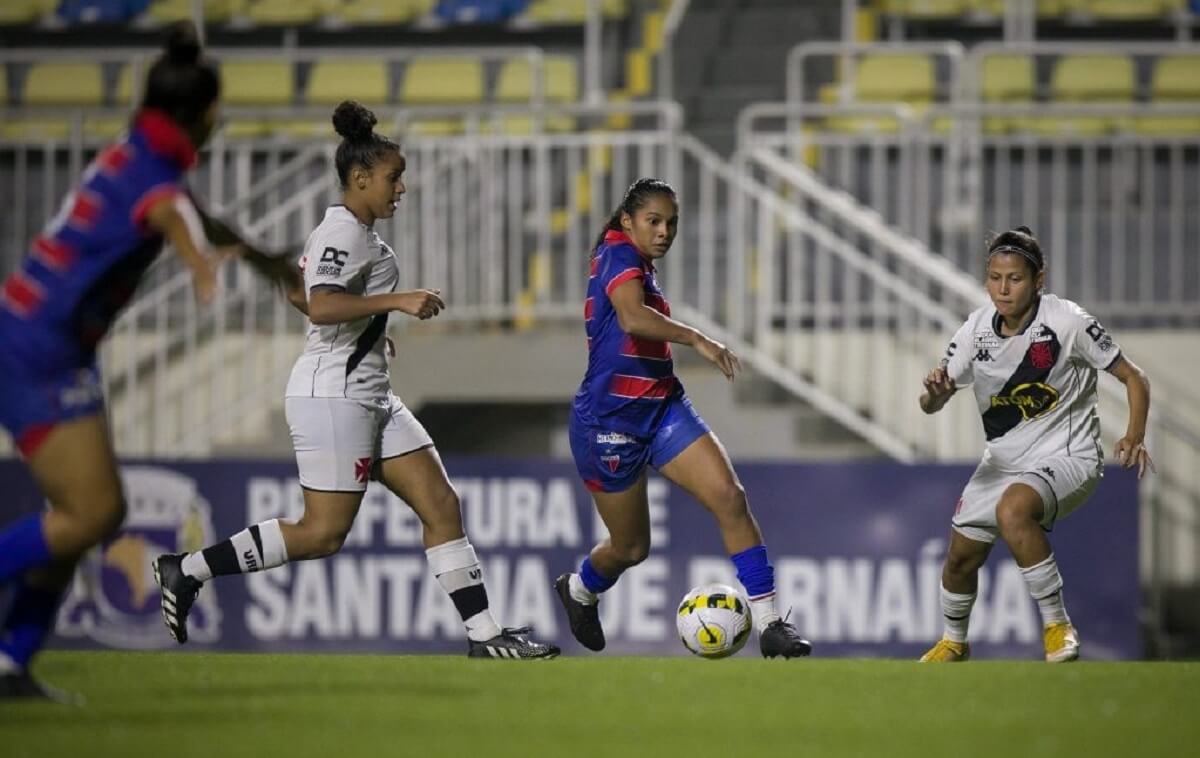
(947, 651)
(1062, 642)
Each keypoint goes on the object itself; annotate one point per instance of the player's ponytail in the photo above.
(1022, 242)
(360, 145)
(638, 194)
(182, 82)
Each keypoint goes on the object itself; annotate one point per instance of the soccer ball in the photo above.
(714, 621)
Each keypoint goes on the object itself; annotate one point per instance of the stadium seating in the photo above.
(515, 85)
(13, 12)
(571, 12)
(366, 12)
(918, 9)
(333, 80)
(1176, 80)
(1088, 79)
(478, 11)
(284, 12)
(883, 79)
(63, 84)
(442, 81)
(1006, 79)
(165, 11)
(1123, 10)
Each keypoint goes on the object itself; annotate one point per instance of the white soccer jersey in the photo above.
(1036, 390)
(346, 359)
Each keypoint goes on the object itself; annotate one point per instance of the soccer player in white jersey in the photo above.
(1032, 360)
(346, 424)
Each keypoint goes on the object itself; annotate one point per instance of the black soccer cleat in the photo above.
(513, 644)
(179, 591)
(20, 685)
(584, 619)
(781, 640)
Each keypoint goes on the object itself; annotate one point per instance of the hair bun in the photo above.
(183, 44)
(353, 121)
(1024, 230)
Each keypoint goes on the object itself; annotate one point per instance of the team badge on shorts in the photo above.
(613, 461)
(362, 470)
(112, 598)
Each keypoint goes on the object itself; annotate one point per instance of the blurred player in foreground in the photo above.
(1032, 360)
(58, 305)
(346, 423)
(631, 413)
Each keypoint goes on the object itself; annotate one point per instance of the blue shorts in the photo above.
(32, 404)
(612, 461)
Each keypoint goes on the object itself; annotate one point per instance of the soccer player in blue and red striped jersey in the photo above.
(54, 310)
(631, 413)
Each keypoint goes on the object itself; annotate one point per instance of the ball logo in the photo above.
(711, 638)
(113, 598)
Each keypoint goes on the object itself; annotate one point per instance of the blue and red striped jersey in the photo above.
(628, 379)
(85, 265)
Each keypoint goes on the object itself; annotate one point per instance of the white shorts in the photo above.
(337, 440)
(1063, 483)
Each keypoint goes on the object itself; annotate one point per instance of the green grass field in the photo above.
(179, 704)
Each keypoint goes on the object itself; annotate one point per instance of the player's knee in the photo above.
(102, 520)
(329, 542)
(962, 564)
(731, 501)
(632, 553)
(1013, 513)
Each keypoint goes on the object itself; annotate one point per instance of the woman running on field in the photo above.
(346, 423)
(1032, 360)
(56, 308)
(631, 413)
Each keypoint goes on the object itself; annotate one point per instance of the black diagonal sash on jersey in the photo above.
(1026, 394)
(365, 341)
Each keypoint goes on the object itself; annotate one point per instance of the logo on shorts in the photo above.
(113, 599)
(612, 438)
(613, 462)
(362, 470)
(958, 506)
(1047, 471)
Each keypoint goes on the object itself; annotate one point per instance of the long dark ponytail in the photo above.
(638, 194)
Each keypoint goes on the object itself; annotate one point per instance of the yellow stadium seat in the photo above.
(166, 11)
(521, 126)
(894, 78)
(442, 81)
(1093, 78)
(1176, 77)
(333, 80)
(124, 92)
(284, 12)
(571, 11)
(1123, 10)
(441, 127)
(3, 86)
(1176, 80)
(1045, 8)
(1051, 8)
(560, 80)
(1006, 79)
(257, 82)
(22, 11)
(64, 84)
(925, 8)
(377, 11)
(35, 129)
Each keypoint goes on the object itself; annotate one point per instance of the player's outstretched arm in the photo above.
(175, 218)
(328, 305)
(275, 266)
(939, 388)
(1131, 449)
(640, 320)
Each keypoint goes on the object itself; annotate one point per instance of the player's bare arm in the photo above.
(275, 266)
(640, 320)
(939, 388)
(335, 306)
(1131, 450)
(168, 216)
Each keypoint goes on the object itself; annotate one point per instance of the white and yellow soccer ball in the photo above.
(714, 621)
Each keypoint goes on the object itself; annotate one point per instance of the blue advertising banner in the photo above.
(857, 549)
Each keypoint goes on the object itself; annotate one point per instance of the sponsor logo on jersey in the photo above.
(986, 340)
(1033, 399)
(113, 599)
(612, 438)
(1041, 333)
(331, 262)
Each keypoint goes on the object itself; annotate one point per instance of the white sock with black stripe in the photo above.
(1045, 585)
(255, 548)
(457, 569)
